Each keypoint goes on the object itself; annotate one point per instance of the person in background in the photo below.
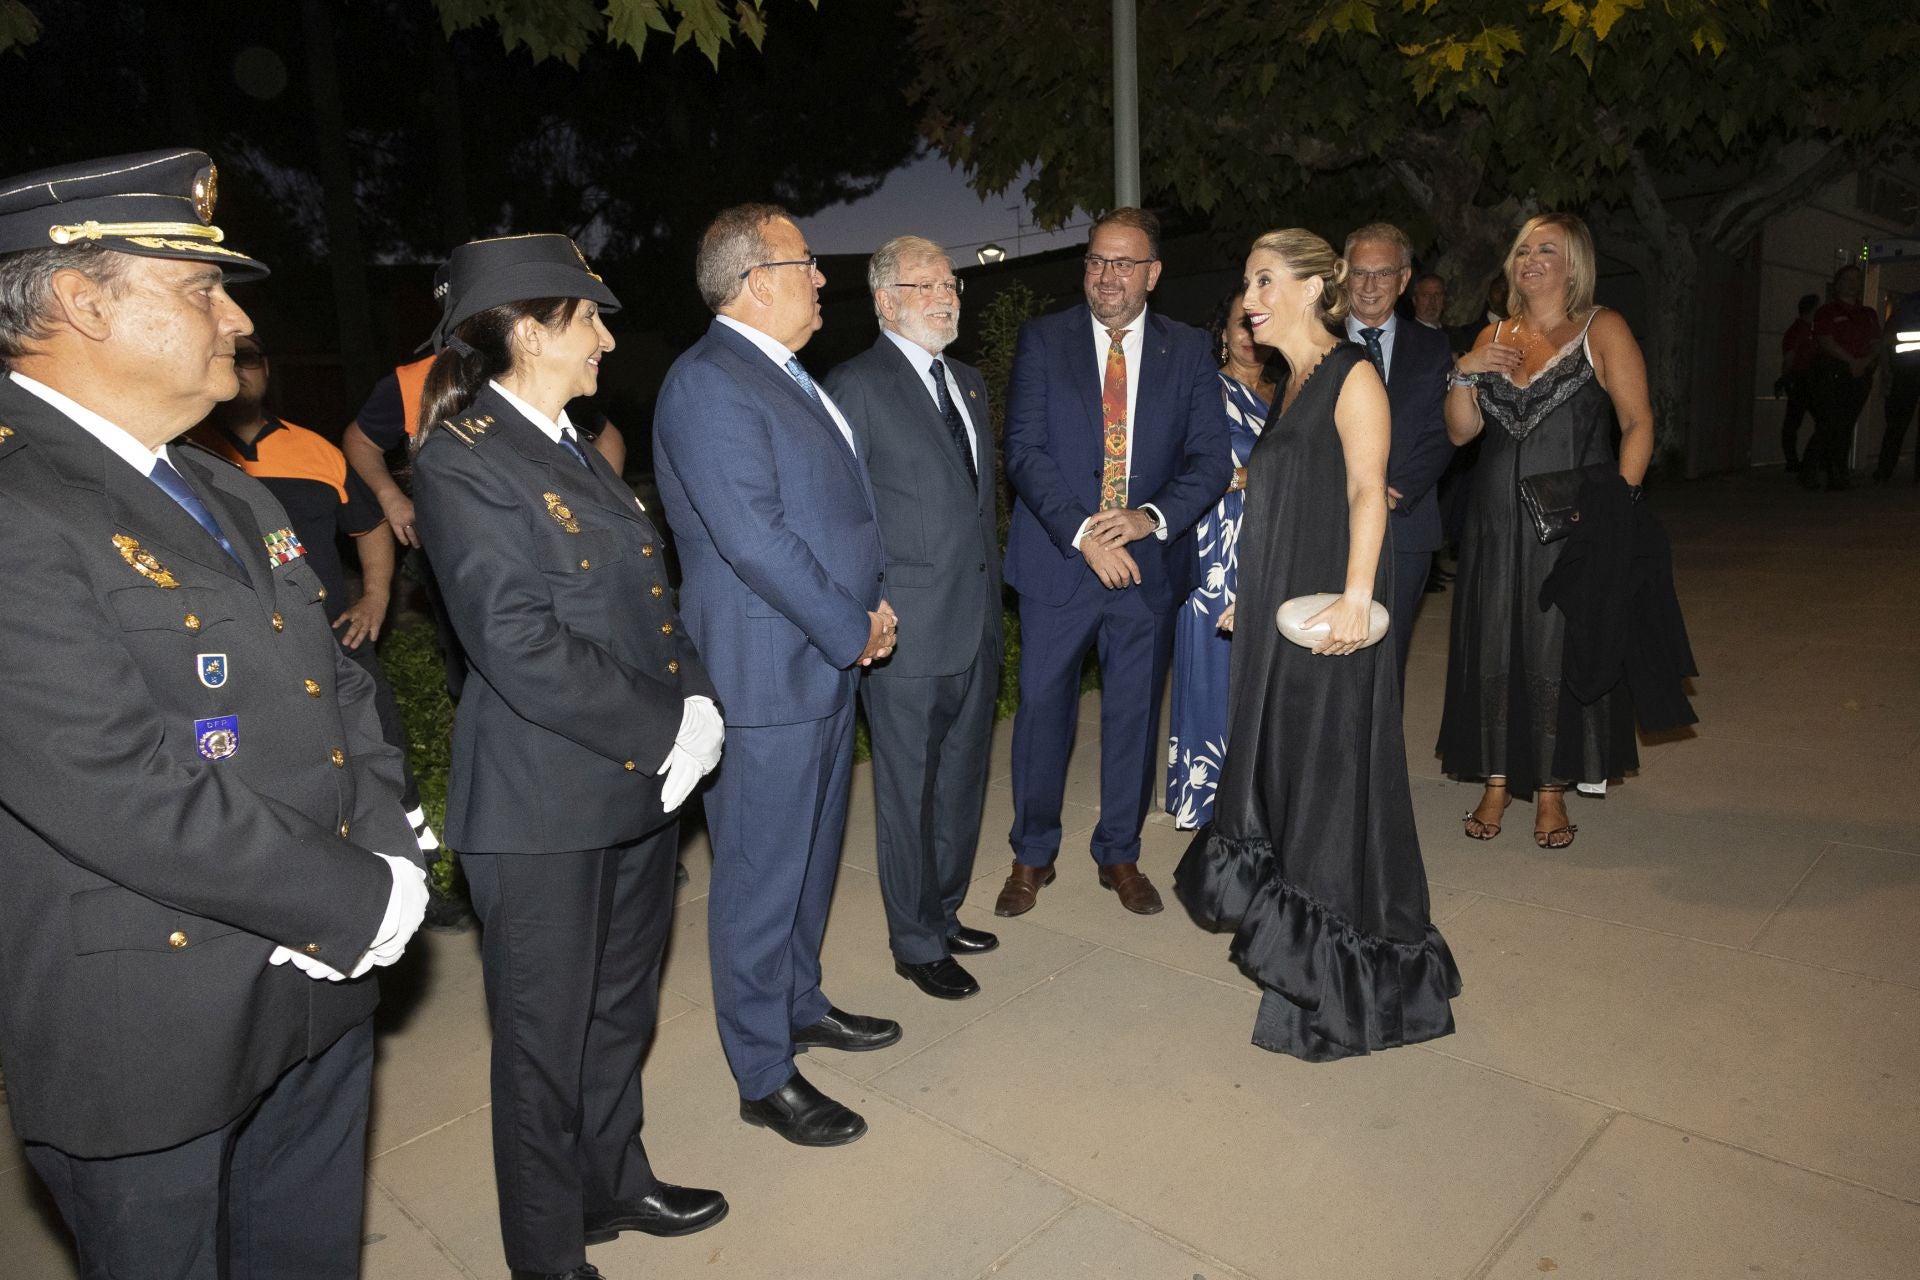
(1846, 335)
(1430, 300)
(1198, 713)
(1903, 390)
(1798, 347)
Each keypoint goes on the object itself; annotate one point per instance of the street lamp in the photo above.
(988, 254)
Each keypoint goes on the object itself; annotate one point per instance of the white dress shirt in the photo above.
(1388, 328)
(922, 361)
(1133, 343)
(548, 427)
(777, 352)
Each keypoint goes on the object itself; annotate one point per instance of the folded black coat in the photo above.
(1614, 584)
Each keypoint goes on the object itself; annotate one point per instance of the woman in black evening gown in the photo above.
(1542, 389)
(1311, 858)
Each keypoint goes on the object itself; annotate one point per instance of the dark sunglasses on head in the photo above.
(245, 359)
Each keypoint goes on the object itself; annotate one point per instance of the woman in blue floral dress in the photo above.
(1199, 742)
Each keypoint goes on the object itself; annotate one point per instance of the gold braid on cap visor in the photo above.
(96, 230)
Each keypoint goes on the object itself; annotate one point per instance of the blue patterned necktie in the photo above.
(573, 447)
(1376, 352)
(174, 485)
(799, 373)
(955, 427)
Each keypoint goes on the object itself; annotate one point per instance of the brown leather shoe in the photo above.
(1022, 888)
(1135, 891)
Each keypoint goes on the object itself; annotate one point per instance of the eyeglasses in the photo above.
(927, 288)
(245, 359)
(1380, 276)
(810, 263)
(1122, 267)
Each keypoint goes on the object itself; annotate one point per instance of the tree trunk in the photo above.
(346, 255)
(1673, 313)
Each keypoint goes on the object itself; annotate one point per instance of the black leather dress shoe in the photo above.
(803, 1115)
(971, 942)
(943, 979)
(848, 1031)
(585, 1271)
(670, 1211)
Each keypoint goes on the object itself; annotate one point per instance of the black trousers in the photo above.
(1902, 398)
(570, 945)
(931, 737)
(1799, 392)
(1838, 399)
(1410, 569)
(275, 1195)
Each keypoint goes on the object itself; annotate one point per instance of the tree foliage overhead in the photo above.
(566, 29)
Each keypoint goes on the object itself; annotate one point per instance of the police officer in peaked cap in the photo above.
(203, 854)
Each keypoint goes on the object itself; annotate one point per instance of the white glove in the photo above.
(702, 732)
(406, 908)
(683, 775)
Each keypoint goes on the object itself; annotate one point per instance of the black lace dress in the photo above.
(1312, 860)
(1503, 704)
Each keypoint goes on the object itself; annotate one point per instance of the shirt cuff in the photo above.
(1082, 533)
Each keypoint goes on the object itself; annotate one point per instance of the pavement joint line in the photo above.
(425, 1133)
(440, 1246)
(1077, 1193)
(1704, 942)
(1006, 1255)
(1098, 945)
(1792, 893)
(1532, 1209)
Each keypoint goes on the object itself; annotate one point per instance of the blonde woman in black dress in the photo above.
(1311, 859)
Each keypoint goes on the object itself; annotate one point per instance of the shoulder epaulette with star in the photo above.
(469, 431)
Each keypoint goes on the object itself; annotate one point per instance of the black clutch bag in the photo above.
(1552, 498)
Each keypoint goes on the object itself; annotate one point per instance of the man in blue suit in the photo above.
(1414, 362)
(1116, 444)
(773, 517)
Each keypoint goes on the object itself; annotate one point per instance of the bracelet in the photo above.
(1457, 379)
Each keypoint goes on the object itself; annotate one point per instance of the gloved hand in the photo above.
(406, 908)
(306, 964)
(696, 750)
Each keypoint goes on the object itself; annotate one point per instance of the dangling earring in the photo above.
(1223, 349)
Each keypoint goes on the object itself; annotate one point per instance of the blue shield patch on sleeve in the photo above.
(213, 669)
(217, 737)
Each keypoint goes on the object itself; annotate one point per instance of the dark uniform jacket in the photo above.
(940, 530)
(580, 668)
(189, 768)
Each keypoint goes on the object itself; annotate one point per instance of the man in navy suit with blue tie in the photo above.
(1414, 362)
(1116, 444)
(773, 517)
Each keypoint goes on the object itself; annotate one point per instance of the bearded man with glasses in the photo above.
(1116, 445)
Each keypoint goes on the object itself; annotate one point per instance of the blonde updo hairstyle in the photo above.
(1307, 256)
(1582, 269)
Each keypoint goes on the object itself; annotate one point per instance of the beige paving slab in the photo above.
(1804, 1064)
(1136, 1084)
(1858, 799)
(1843, 716)
(399, 1247)
(33, 1241)
(1859, 910)
(12, 1155)
(1648, 1201)
(1090, 1242)
(1731, 654)
(1658, 870)
(444, 1182)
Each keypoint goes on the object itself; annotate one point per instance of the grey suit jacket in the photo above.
(940, 531)
(191, 773)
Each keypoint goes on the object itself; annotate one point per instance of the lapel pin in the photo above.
(143, 562)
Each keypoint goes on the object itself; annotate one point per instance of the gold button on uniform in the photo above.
(628, 766)
(647, 551)
(656, 591)
(673, 667)
(279, 623)
(666, 628)
(322, 595)
(191, 622)
(344, 828)
(313, 688)
(586, 564)
(312, 948)
(176, 939)
(338, 757)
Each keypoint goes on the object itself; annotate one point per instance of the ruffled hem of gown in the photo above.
(1334, 991)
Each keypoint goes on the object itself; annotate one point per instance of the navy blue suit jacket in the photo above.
(1182, 461)
(773, 518)
(1416, 392)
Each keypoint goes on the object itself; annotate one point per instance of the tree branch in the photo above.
(1789, 176)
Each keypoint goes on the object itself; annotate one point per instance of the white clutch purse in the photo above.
(1297, 610)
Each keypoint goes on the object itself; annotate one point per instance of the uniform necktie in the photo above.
(955, 428)
(1113, 421)
(799, 373)
(174, 485)
(1376, 352)
(573, 447)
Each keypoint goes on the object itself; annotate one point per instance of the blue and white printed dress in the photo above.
(1200, 652)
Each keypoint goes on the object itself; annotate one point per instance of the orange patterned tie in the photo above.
(1113, 419)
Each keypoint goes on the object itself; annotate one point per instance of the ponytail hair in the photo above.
(481, 351)
(1306, 255)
